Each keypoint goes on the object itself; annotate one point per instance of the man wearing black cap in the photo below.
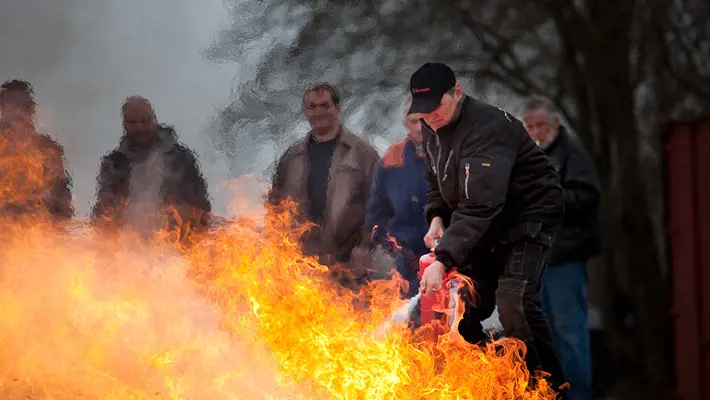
(494, 203)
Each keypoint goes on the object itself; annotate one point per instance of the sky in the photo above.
(84, 57)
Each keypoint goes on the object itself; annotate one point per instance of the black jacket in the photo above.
(578, 237)
(486, 177)
(183, 188)
(31, 191)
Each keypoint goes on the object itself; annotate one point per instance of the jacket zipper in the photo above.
(465, 182)
(446, 166)
(438, 160)
(431, 156)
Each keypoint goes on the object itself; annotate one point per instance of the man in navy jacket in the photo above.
(395, 210)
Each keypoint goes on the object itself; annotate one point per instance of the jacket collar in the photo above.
(418, 148)
(465, 99)
(558, 140)
(457, 113)
(167, 138)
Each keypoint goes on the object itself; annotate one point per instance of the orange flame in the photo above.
(394, 242)
(390, 238)
(25, 170)
(241, 315)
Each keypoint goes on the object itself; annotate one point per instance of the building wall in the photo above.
(687, 180)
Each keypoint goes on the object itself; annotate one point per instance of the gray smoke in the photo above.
(85, 56)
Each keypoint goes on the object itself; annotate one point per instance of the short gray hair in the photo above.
(534, 103)
(134, 100)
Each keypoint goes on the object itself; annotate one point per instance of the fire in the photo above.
(242, 315)
(391, 239)
(23, 175)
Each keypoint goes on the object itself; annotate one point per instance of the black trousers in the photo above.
(510, 275)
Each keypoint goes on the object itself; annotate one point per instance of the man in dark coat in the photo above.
(493, 205)
(33, 178)
(151, 181)
(564, 295)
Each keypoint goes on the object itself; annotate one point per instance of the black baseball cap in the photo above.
(427, 85)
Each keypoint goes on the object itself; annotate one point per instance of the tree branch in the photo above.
(690, 77)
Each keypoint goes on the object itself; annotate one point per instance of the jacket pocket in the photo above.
(347, 168)
(532, 232)
(349, 182)
(347, 194)
(481, 183)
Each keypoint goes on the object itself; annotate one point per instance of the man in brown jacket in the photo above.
(328, 174)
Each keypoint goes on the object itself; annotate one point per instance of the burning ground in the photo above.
(242, 315)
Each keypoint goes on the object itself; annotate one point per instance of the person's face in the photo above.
(139, 122)
(17, 105)
(321, 112)
(414, 128)
(443, 114)
(541, 125)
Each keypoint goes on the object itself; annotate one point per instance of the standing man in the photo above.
(493, 204)
(151, 181)
(395, 212)
(564, 295)
(328, 174)
(34, 180)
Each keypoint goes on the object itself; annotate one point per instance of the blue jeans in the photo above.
(564, 302)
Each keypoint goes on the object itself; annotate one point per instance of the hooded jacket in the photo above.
(165, 179)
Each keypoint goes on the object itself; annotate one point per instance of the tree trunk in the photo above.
(631, 253)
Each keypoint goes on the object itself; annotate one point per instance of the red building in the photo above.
(686, 147)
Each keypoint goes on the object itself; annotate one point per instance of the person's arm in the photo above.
(370, 170)
(372, 164)
(278, 183)
(379, 211)
(105, 208)
(580, 182)
(487, 160)
(194, 188)
(59, 203)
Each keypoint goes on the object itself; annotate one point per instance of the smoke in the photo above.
(85, 56)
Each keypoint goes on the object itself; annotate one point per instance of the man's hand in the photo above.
(432, 278)
(436, 231)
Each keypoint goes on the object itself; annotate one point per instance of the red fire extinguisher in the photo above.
(428, 304)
